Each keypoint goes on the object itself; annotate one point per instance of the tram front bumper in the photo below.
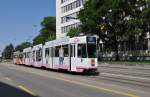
(85, 69)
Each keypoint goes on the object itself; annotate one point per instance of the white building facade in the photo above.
(66, 14)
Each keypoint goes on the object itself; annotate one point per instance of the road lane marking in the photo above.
(7, 78)
(26, 90)
(81, 84)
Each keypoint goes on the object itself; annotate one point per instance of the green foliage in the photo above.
(22, 46)
(38, 40)
(8, 52)
(115, 21)
(48, 31)
(74, 32)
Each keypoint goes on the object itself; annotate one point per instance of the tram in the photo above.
(17, 57)
(27, 56)
(77, 54)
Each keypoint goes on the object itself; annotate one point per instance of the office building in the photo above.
(66, 14)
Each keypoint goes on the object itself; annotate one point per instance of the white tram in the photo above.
(77, 54)
(37, 59)
(17, 57)
(27, 56)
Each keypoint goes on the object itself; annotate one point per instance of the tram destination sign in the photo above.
(91, 40)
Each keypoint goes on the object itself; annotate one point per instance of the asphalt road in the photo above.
(140, 71)
(20, 81)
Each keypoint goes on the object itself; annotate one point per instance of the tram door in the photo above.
(65, 64)
(47, 60)
(81, 60)
(73, 57)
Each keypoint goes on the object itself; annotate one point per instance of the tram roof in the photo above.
(62, 41)
(37, 47)
(27, 49)
(17, 53)
(79, 39)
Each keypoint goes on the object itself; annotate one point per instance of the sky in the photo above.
(20, 19)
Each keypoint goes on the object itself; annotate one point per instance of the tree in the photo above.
(22, 46)
(48, 31)
(8, 51)
(48, 28)
(115, 21)
(38, 40)
(74, 32)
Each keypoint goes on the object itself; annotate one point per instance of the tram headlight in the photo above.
(92, 62)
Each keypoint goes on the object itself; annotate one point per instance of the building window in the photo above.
(72, 6)
(63, 1)
(66, 29)
(66, 18)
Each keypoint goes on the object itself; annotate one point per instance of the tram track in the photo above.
(123, 80)
(127, 83)
(126, 67)
(127, 73)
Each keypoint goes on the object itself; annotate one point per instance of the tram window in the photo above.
(51, 52)
(46, 52)
(28, 54)
(65, 48)
(82, 51)
(57, 51)
(20, 56)
(72, 51)
(33, 55)
(25, 55)
(91, 48)
(39, 55)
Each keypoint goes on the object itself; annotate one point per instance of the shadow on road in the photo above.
(9, 91)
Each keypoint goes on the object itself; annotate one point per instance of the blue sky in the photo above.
(19, 17)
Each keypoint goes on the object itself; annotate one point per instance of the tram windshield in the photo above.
(87, 51)
(91, 50)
